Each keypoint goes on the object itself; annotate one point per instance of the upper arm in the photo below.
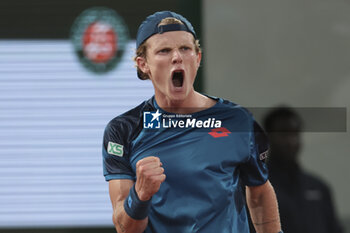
(119, 190)
(254, 170)
(116, 151)
(263, 208)
(259, 189)
(256, 193)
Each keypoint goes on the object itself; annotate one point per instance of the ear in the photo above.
(199, 58)
(142, 64)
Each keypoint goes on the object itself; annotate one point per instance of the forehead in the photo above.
(173, 38)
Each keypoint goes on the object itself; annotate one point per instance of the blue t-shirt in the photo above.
(207, 160)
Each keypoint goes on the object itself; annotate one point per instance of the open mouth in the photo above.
(178, 78)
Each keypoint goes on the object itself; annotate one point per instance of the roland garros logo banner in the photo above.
(99, 36)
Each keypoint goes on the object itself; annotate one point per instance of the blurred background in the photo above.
(61, 82)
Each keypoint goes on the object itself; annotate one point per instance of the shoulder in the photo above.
(232, 107)
(128, 123)
(238, 114)
(247, 123)
(130, 116)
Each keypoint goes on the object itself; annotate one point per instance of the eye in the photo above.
(165, 50)
(185, 48)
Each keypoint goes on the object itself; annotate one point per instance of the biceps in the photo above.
(256, 193)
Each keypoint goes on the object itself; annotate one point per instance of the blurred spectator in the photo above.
(305, 201)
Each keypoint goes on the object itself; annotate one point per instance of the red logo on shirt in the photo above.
(219, 132)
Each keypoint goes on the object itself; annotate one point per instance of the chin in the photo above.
(177, 97)
(180, 94)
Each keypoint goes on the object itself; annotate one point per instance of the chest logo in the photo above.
(115, 149)
(219, 132)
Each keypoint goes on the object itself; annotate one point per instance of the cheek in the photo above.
(158, 66)
(158, 74)
(195, 58)
(194, 66)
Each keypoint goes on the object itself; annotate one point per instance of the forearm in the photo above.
(132, 201)
(119, 190)
(263, 209)
(124, 223)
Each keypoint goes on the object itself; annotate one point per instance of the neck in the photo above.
(195, 102)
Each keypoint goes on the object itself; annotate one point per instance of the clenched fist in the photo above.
(149, 176)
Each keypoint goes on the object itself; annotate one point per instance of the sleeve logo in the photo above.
(263, 155)
(115, 149)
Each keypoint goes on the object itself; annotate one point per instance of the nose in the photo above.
(177, 58)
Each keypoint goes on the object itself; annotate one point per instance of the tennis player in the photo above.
(184, 162)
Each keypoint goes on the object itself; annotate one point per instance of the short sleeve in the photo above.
(254, 171)
(116, 152)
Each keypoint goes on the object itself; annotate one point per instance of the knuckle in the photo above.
(163, 177)
(141, 169)
(138, 164)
